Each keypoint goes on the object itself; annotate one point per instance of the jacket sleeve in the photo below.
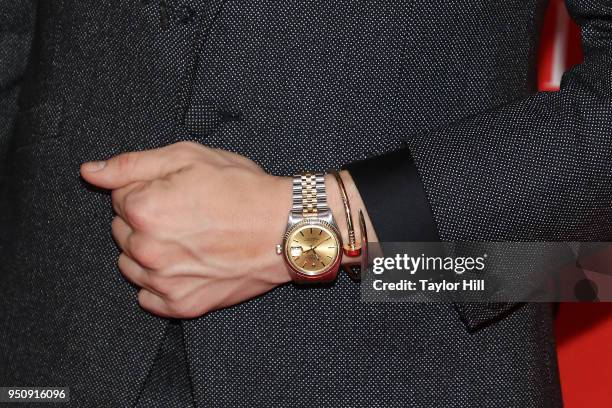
(535, 169)
(16, 24)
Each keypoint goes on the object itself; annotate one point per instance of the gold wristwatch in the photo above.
(312, 245)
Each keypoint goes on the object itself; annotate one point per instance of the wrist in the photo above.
(277, 222)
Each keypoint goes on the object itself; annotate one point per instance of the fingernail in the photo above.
(94, 166)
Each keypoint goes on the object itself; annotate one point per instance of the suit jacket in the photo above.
(295, 85)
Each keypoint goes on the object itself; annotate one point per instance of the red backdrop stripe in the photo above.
(583, 331)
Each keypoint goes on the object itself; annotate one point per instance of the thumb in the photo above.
(130, 167)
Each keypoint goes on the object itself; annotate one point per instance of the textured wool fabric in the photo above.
(168, 384)
(15, 35)
(293, 85)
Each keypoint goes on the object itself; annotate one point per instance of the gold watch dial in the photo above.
(312, 249)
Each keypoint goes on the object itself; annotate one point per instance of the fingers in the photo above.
(121, 232)
(153, 303)
(152, 296)
(143, 204)
(133, 272)
(151, 253)
(119, 196)
(147, 165)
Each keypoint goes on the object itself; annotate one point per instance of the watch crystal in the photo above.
(312, 249)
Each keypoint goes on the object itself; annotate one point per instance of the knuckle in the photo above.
(145, 254)
(184, 157)
(141, 298)
(126, 161)
(158, 283)
(188, 145)
(137, 210)
(135, 247)
(115, 223)
(187, 152)
(181, 309)
(173, 296)
(122, 263)
(115, 201)
(146, 302)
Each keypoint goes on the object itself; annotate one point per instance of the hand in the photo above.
(197, 226)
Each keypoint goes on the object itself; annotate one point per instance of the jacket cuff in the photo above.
(396, 202)
(394, 197)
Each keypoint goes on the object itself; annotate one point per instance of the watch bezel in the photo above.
(310, 221)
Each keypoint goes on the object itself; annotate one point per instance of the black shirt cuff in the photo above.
(394, 197)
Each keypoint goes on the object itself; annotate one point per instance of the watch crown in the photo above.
(279, 249)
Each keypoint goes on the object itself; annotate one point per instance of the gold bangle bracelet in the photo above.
(352, 249)
(355, 269)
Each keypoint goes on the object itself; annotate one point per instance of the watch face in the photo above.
(312, 249)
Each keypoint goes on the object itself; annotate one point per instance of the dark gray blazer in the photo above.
(294, 85)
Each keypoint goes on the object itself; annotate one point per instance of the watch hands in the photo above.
(315, 246)
(312, 248)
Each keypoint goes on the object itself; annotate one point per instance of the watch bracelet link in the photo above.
(309, 197)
